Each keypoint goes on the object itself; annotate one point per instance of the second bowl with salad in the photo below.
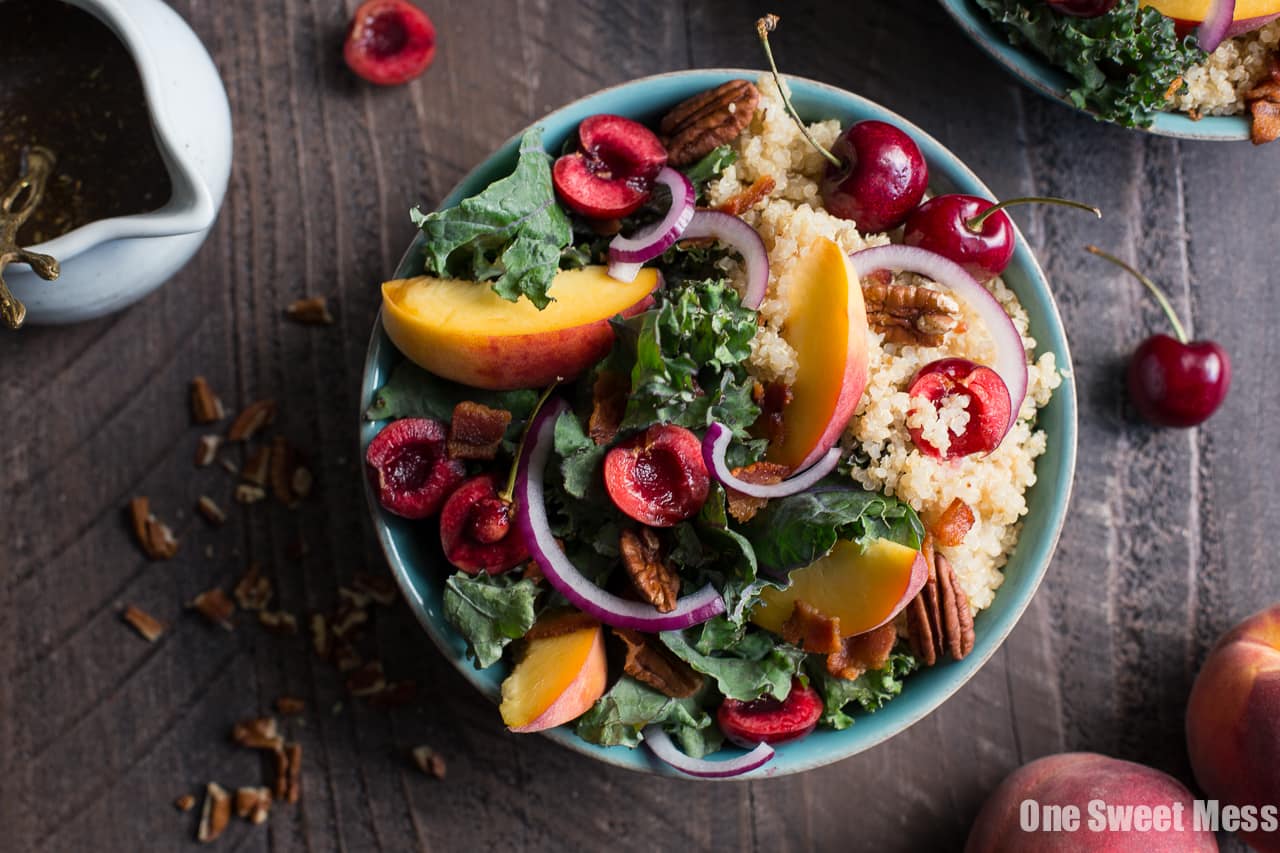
(710, 454)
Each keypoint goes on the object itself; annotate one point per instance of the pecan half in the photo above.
(651, 663)
(939, 620)
(252, 418)
(697, 126)
(812, 630)
(862, 652)
(476, 431)
(957, 624)
(652, 577)
(608, 405)
(739, 203)
(744, 507)
(910, 313)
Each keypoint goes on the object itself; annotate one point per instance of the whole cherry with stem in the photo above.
(975, 233)
(875, 175)
(1174, 381)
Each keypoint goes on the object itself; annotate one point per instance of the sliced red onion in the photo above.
(1011, 356)
(716, 444)
(582, 592)
(651, 241)
(662, 746)
(743, 239)
(1216, 24)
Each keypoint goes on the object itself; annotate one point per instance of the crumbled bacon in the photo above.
(772, 398)
(863, 652)
(741, 202)
(744, 507)
(476, 431)
(560, 622)
(1263, 101)
(812, 630)
(953, 525)
(651, 663)
(608, 404)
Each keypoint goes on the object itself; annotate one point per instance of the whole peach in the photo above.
(1100, 792)
(1233, 721)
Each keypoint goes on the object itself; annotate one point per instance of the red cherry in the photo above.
(407, 464)
(880, 179)
(988, 405)
(476, 530)
(1082, 8)
(612, 174)
(658, 477)
(1173, 381)
(768, 720)
(389, 42)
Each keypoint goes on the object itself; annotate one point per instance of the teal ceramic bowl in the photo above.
(1034, 71)
(413, 551)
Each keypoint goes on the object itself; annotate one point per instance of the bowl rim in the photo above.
(1037, 74)
(970, 665)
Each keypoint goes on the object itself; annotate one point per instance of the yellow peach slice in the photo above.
(463, 331)
(1194, 11)
(556, 680)
(827, 327)
(864, 589)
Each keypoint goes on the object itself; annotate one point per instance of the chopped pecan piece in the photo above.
(284, 463)
(154, 536)
(476, 431)
(278, 621)
(253, 590)
(216, 814)
(290, 706)
(394, 694)
(741, 202)
(207, 450)
(280, 786)
(697, 126)
(812, 630)
(560, 622)
(206, 408)
(367, 680)
(247, 493)
(312, 311)
(910, 313)
(652, 577)
(214, 606)
(211, 511)
(862, 652)
(258, 733)
(380, 588)
(429, 761)
(257, 466)
(293, 787)
(953, 525)
(347, 620)
(650, 662)
(148, 627)
(772, 398)
(744, 507)
(185, 803)
(353, 597)
(320, 635)
(253, 804)
(608, 405)
(939, 620)
(252, 418)
(345, 656)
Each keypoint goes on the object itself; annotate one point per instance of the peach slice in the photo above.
(1248, 15)
(865, 589)
(463, 331)
(827, 327)
(556, 680)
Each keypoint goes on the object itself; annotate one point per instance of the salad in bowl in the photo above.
(683, 437)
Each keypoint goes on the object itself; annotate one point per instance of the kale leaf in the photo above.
(1124, 62)
(710, 167)
(511, 233)
(580, 456)
(412, 392)
(746, 664)
(619, 716)
(489, 612)
(794, 531)
(869, 690)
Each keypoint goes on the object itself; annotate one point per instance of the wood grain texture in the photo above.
(1166, 544)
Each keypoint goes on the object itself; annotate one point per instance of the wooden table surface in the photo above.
(1168, 540)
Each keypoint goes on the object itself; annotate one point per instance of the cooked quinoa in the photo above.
(1217, 85)
(994, 485)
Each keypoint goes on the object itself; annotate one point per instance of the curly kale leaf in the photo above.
(1124, 62)
(619, 716)
(512, 233)
(869, 691)
(489, 611)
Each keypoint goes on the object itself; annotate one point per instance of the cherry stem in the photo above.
(1151, 286)
(764, 26)
(975, 223)
(508, 494)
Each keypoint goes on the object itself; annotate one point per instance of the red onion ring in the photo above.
(716, 444)
(651, 241)
(741, 237)
(1216, 24)
(1011, 355)
(660, 744)
(582, 592)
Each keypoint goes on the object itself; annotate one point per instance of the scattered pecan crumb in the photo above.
(215, 606)
(347, 619)
(290, 706)
(293, 752)
(253, 591)
(290, 479)
(301, 482)
(367, 680)
(256, 467)
(207, 450)
(280, 786)
(154, 536)
(355, 598)
(253, 804)
(696, 126)
(652, 577)
(910, 313)
(185, 803)
(429, 761)
(278, 621)
(608, 405)
(320, 635)
(345, 657)
(147, 626)
(950, 528)
(258, 733)
(395, 694)
(559, 622)
(741, 202)
(229, 467)
(311, 311)
(743, 507)
(211, 511)
(216, 814)
(380, 589)
(812, 630)
(476, 431)
(297, 549)
(247, 493)
(650, 662)
(206, 408)
(252, 418)
(863, 652)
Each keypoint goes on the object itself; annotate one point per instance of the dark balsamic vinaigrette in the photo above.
(69, 84)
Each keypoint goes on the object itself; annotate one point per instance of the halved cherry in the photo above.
(476, 528)
(987, 403)
(408, 466)
(768, 720)
(658, 477)
(389, 42)
(612, 173)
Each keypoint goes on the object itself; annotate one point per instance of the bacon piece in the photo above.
(559, 623)
(860, 653)
(811, 630)
(953, 525)
(476, 431)
(772, 398)
(608, 405)
(739, 203)
(744, 507)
